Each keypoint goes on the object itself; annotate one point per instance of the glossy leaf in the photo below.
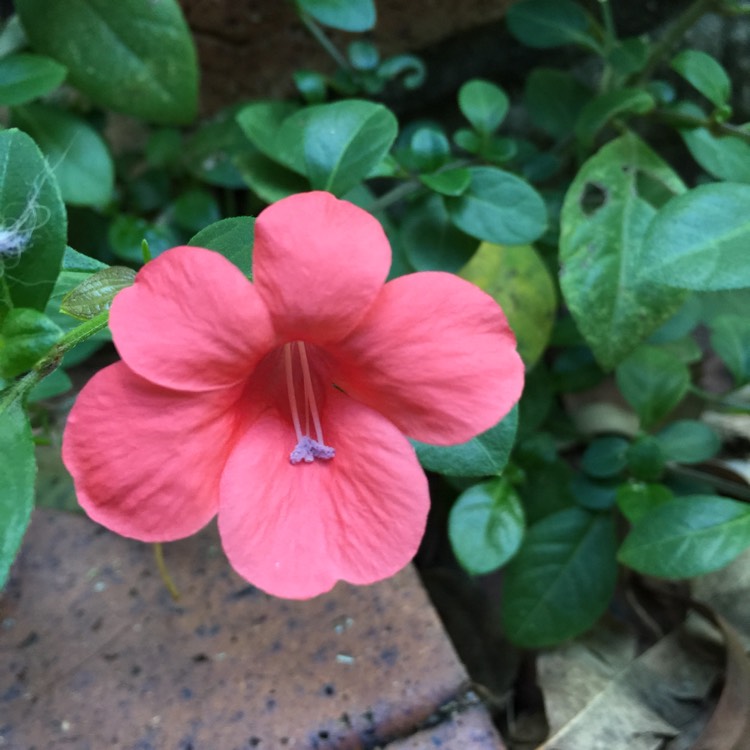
(486, 526)
(517, 278)
(549, 23)
(562, 578)
(600, 111)
(653, 382)
(17, 476)
(450, 182)
(699, 240)
(34, 225)
(554, 99)
(705, 73)
(25, 76)
(605, 216)
(233, 238)
(687, 537)
(429, 148)
(133, 57)
(605, 456)
(688, 441)
(261, 121)
(730, 338)
(78, 154)
(268, 179)
(483, 104)
(637, 499)
(95, 294)
(25, 336)
(481, 456)
(346, 15)
(499, 207)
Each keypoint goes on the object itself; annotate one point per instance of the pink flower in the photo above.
(280, 404)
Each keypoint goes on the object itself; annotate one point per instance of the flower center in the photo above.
(307, 448)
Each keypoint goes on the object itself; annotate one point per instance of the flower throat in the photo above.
(307, 448)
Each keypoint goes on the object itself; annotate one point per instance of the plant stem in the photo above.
(737, 490)
(51, 360)
(394, 195)
(164, 573)
(681, 119)
(720, 399)
(325, 42)
(673, 36)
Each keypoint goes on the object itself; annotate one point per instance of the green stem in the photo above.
(394, 195)
(325, 42)
(680, 119)
(673, 36)
(164, 572)
(735, 489)
(720, 399)
(51, 360)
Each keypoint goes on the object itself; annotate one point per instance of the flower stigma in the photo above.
(307, 448)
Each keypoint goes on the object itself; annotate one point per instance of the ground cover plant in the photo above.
(603, 208)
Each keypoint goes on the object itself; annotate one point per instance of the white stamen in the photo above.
(309, 393)
(290, 390)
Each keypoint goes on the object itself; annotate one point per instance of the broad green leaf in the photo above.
(730, 338)
(261, 122)
(25, 336)
(450, 182)
(430, 241)
(605, 456)
(605, 216)
(133, 57)
(637, 499)
(724, 157)
(486, 526)
(340, 143)
(195, 209)
(705, 73)
(517, 278)
(430, 148)
(17, 475)
(25, 76)
(12, 36)
(499, 207)
(346, 15)
(549, 23)
(562, 578)
(483, 455)
(33, 224)
(483, 104)
(233, 238)
(688, 441)
(653, 382)
(598, 112)
(554, 100)
(699, 240)
(268, 179)
(592, 494)
(646, 460)
(95, 293)
(629, 56)
(78, 154)
(687, 537)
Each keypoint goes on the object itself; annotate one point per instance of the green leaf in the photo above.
(646, 459)
(483, 455)
(12, 37)
(517, 278)
(605, 216)
(79, 156)
(688, 536)
(133, 57)
(429, 148)
(629, 56)
(25, 336)
(598, 112)
(269, 180)
(653, 382)
(430, 241)
(549, 23)
(705, 73)
(486, 526)
(483, 104)
(605, 456)
(25, 77)
(34, 226)
(17, 476)
(341, 142)
(126, 235)
(499, 207)
(562, 578)
(637, 499)
(730, 338)
(261, 122)
(346, 15)
(688, 441)
(699, 240)
(724, 157)
(95, 294)
(554, 100)
(233, 238)
(450, 182)
(54, 384)
(591, 494)
(195, 209)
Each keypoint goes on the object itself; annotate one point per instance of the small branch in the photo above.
(164, 573)
(681, 119)
(322, 39)
(393, 196)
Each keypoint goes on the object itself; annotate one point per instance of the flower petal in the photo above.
(319, 263)
(436, 356)
(146, 461)
(191, 321)
(294, 530)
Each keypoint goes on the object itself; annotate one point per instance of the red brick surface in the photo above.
(94, 654)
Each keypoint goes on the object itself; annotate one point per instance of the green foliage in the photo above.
(96, 292)
(233, 238)
(705, 73)
(554, 100)
(24, 77)
(483, 104)
(17, 475)
(116, 53)
(486, 526)
(347, 15)
(25, 336)
(550, 23)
